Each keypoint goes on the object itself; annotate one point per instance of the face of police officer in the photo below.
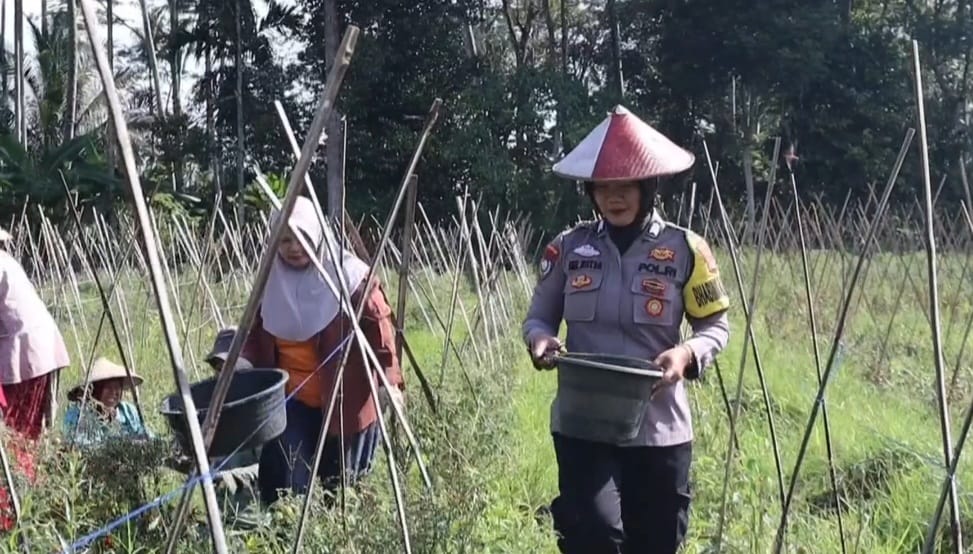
(618, 202)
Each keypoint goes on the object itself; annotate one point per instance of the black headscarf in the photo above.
(624, 236)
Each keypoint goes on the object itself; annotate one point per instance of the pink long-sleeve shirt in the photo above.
(30, 343)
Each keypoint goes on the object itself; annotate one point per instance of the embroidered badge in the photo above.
(663, 254)
(551, 254)
(653, 307)
(653, 286)
(581, 281)
(587, 251)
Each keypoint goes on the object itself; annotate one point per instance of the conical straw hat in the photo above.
(103, 370)
(623, 148)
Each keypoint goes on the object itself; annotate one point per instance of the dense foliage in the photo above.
(521, 81)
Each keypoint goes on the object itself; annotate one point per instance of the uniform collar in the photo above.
(653, 226)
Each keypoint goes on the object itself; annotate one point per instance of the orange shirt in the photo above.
(300, 359)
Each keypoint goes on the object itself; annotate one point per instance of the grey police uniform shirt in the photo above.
(633, 305)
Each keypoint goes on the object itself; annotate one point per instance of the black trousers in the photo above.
(615, 500)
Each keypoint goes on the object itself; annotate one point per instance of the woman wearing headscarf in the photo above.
(32, 354)
(623, 284)
(301, 328)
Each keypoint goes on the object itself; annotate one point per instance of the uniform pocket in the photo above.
(655, 301)
(581, 295)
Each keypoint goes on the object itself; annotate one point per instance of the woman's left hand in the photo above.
(396, 396)
(673, 363)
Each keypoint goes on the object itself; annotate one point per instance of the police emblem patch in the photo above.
(653, 307)
(581, 281)
(587, 251)
(663, 254)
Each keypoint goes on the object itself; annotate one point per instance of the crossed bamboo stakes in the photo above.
(784, 228)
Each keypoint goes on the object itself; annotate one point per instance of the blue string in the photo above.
(87, 539)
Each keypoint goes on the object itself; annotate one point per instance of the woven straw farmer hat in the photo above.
(104, 370)
(623, 148)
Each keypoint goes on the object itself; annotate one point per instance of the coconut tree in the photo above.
(59, 141)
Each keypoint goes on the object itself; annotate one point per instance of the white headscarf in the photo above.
(297, 303)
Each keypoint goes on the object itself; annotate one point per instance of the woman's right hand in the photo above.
(542, 351)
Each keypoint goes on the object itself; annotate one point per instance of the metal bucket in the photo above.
(254, 406)
(603, 397)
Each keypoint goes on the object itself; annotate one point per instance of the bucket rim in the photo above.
(283, 376)
(583, 359)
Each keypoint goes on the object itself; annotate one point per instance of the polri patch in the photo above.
(656, 269)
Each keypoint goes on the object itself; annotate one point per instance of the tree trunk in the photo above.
(153, 64)
(965, 181)
(238, 60)
(44, 17)
(174, 65)
(552, 57)
(71, 98)
(335, 140)
(154, 68)
(109, 135)
(748, 126)
(3, 54)
(20, 116)
(211, 146)
(564, 37)
(175, 71)
(616, 59)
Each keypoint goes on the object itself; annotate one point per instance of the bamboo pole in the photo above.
(158, 283)
(934, 303)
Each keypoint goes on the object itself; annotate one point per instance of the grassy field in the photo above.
(489, 450)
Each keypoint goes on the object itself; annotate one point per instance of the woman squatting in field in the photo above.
(623, 284)
(300, 328)
(105, 416)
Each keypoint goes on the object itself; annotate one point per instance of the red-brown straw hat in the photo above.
(623, 148)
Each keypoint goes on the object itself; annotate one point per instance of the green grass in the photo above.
(492, 460)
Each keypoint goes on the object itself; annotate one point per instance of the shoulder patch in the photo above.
(551, 254)
(702, 248)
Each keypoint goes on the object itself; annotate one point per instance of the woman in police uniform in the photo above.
(623, 284)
